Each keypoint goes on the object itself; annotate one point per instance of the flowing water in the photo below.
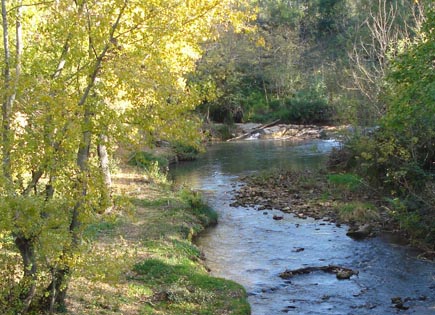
(251, 248)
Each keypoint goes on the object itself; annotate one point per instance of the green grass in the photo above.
(146, 160)
(347, 181)
(185, 290)
(175, 271)
(358, 211)
(146, 263)
(106, 225)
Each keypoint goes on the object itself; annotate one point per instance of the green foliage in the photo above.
(223, 131)
(414, 217)
(194, 200)
(185, 152)
(399, 157)
(155, 167)
(404, 145)
(88, 71)
(146, 160)
(303, 108)
(281, 12)
(362, 212)
(347, 181)
(346, 44)
(9, 270)
(42, 227)
(305, 111)
(255, 107)
(256, 89)
(36, 218)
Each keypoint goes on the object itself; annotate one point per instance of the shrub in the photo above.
(146, 160)
(305, 111)
(224, 131)
(185, 152)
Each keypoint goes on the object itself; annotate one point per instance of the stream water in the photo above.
(251, 248)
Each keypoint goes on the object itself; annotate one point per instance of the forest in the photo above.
(363, 63)
(84, 79)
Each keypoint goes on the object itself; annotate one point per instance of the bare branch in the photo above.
(30, 5)
(371, 57)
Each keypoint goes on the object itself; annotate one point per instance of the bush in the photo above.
(146, 160)
(224, 131)
(362, 212)
(185, 152)
(293, 111)
(305, 111)
(391, 167)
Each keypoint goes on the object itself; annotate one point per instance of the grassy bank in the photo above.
(142, 259)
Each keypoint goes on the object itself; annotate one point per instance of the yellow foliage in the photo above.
(89, 68)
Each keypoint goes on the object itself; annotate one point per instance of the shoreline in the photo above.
(142, 257)
(273, 131)
(310, 194)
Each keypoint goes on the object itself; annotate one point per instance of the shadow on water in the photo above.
(248, 246)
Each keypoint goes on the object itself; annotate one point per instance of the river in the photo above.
(251, 248)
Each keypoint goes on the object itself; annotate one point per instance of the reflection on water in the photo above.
(235, 158)
(248, 246)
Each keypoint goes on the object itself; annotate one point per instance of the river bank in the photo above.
(342, 199)
(142, 260)
(272, 131)
(254, 249)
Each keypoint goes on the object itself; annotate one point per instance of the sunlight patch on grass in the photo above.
(142, 261)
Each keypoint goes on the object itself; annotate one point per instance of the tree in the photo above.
(377, 41)
(400, 157)
(85, 71)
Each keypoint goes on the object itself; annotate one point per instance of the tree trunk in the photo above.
(246, 135)
(59, 285)
(104, 161)
(105, 170)
(61, 275)
(25, 246)
(7, 100)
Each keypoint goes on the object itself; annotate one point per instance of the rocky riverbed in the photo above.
(310, 194)
(329, 272)
(285, 131)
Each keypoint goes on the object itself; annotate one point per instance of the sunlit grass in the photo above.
(143, 261)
